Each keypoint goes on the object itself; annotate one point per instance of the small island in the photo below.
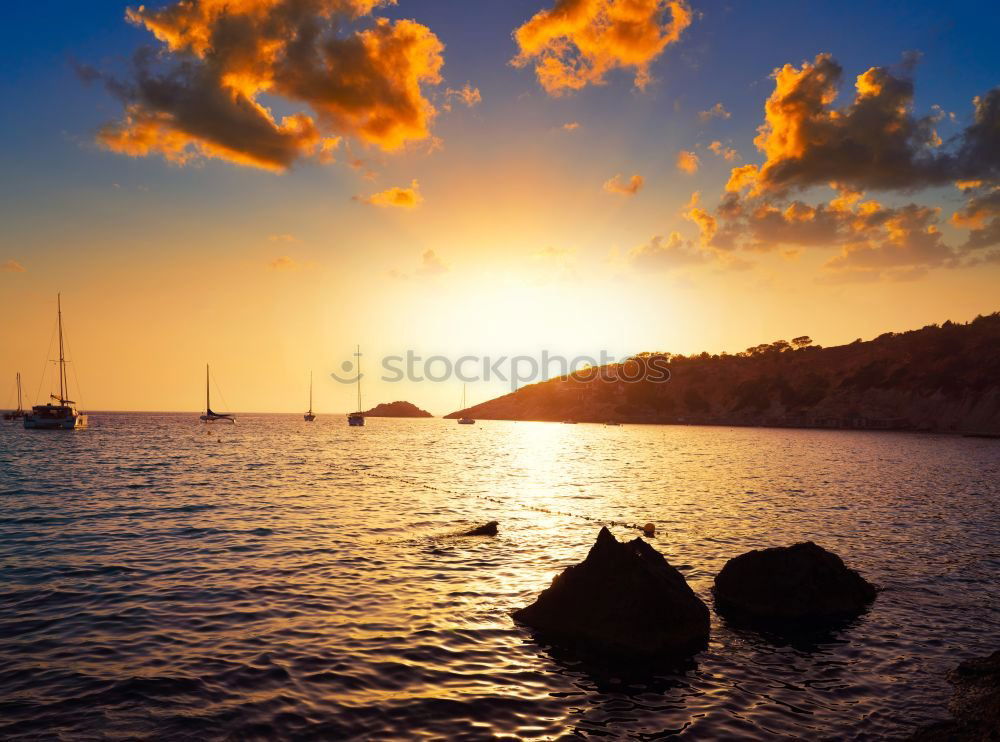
(397, 409)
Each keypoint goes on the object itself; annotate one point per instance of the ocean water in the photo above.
(160, 578)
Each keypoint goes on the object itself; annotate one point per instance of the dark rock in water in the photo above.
(791, 583)
(625, 597)
(487, 529)
(975, 705)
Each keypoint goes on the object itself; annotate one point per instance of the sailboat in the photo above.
(357, 419)
(465, 420)
(309, 416)
(19, 412)
(62, 416)
(209, 416)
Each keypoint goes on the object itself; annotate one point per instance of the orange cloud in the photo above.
(618, 186)
(467, 95)
(571, 126)
(726, 153)
(741, 177)
(687, 162)
(981, 215)
(12, 266)
(431, 264)
(403, 198)
(707, 225)
(577, 42)
(718, 111)
(667, 254)
(874, 142)
(200, 97)
(283, 263)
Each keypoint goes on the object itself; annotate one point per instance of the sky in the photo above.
(265, 184)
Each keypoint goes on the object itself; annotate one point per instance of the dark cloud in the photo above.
(873, 143)
(200, 96)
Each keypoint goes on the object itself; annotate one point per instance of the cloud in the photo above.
(431, 264)
(981, 215)
(12, 266)
(283, 263)
(553, 253)
(577, 42)
(723, 151)
(687, 162)
(282, 238)
(467, 95)
(618, 186)
(200, 95)
(660, 254)
(571, 126)
(403, 198)
(718, 111)
(908, 237)
(873, 143)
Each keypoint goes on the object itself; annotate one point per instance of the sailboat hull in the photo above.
(356, 420)
(217, 419)
(308, 418)
(54, 418)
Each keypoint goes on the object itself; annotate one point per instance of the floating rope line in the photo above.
(496, 500)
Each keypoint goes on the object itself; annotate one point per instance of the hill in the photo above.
(939, 378)
(397, 409)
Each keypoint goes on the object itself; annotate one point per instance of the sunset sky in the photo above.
(263, 184)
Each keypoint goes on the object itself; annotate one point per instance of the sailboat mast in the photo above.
(310, 392)
(358, 354)
(63, 391)
(19, 405)
(208, 401)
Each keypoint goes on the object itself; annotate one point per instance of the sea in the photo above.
(275, 579)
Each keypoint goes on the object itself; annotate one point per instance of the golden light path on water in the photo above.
(274, 578)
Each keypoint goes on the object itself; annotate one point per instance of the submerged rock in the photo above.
(487, 529)
(803, 581)
(975, 705)
(624, 597)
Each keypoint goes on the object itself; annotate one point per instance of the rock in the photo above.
(487, 529)
(975, 705)
(625, 597)
(397, 409)
(803, 581)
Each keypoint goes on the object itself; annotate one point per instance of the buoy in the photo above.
(649, 530)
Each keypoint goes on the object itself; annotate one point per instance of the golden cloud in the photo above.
(718, 111)
(618, 186)
(875, 142)
(283, 263)
(12, 266)
(726, 153)
(467, 95)
(402, 198)
(577, 42)
(431, 264)
(571, 126)
(687, 162)
(667, 253)
(981, 215)
(201, 96)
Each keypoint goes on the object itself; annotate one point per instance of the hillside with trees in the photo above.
(939, 378)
